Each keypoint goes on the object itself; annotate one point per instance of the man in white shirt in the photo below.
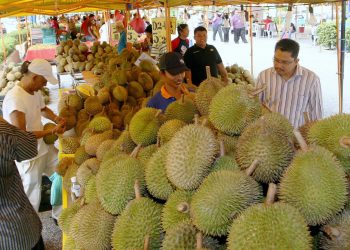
(291, 89)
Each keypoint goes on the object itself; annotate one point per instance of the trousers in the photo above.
(31, 173)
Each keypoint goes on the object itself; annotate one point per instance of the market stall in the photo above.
(201, 174)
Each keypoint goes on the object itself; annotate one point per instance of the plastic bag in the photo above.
(56, 189)
(138, 24)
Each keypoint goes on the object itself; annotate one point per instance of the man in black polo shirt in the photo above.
(201, 55)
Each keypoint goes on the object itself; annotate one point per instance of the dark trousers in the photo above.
(217, 29)
(226, 34)
(239, 33)
(40, 245)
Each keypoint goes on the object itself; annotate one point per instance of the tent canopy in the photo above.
(57, 7)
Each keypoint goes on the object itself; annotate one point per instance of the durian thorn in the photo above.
(204, 122)
(306, 117)
(249, 171)
(207, 69)
(257, 91)
(137, 189)
(136, 150)
(158, 113)
(267, 107)
(146, 243)
(222, 148)
(199, 238)
(345, 141)
(183, 207)
(196, 119)
(271, 193)
(158, 143)
(300, 140)
(332, 232)
(182, 99)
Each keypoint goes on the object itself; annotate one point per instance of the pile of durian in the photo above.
(239, 75)
(214, 171)
(11, 76)
(73, 56)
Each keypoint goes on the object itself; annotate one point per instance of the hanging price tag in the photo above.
(173, 25)
(131, 35)
(159, 31)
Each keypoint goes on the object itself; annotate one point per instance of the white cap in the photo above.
(43, 68)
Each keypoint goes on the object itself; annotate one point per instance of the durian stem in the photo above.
(267, 107)
(300, 140)
(306, 117)
(158, 143)
(207, 69)
(183, 207)
(345, 141)
(204, 122)
(136, 150)
(222, 148)
(252, 167)
(146, 243)
(332, 232)
(199, 237)
(257, 91)
(271, 193)
(158, 113)
(196, 119)
(137, 189)
(182, 99)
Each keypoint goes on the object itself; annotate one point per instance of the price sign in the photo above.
(159, 31)
(131, 35)
(173, 25)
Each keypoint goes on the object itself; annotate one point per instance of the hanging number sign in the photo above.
(131, 35)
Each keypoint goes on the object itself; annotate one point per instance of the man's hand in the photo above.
(59, 120)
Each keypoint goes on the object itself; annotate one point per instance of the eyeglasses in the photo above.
(286, 63)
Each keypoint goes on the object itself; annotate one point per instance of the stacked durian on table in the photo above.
(214, 171)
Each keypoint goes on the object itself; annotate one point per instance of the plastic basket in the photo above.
(48, 32)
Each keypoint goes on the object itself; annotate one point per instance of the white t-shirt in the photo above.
(104, 33)
(31, 105)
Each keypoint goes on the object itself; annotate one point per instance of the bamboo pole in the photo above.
(342, 54)
(19, 31)
(338, 54)
(2, 41)
(29, 40)
(167, 26)
(251, 40)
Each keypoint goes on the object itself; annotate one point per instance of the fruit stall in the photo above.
(216, 170)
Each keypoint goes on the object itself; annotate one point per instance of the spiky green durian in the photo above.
(176, 209)
(205, 93)
(115, 184)
(272, 151)
(95, 141)
(80, 155)
(183, 236)
(315, 184)
(92, 227)
(65, 219)
(90, 192)
(221, 197)
(168, 130)
(103, 148)
(233, 108)
(100, 124)
(145, 153)
(140, 219)
(191, 153)
(144, 126)
(155, 175)
(328, 133)
(182, 109)
(278, 226)
(336, 234)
